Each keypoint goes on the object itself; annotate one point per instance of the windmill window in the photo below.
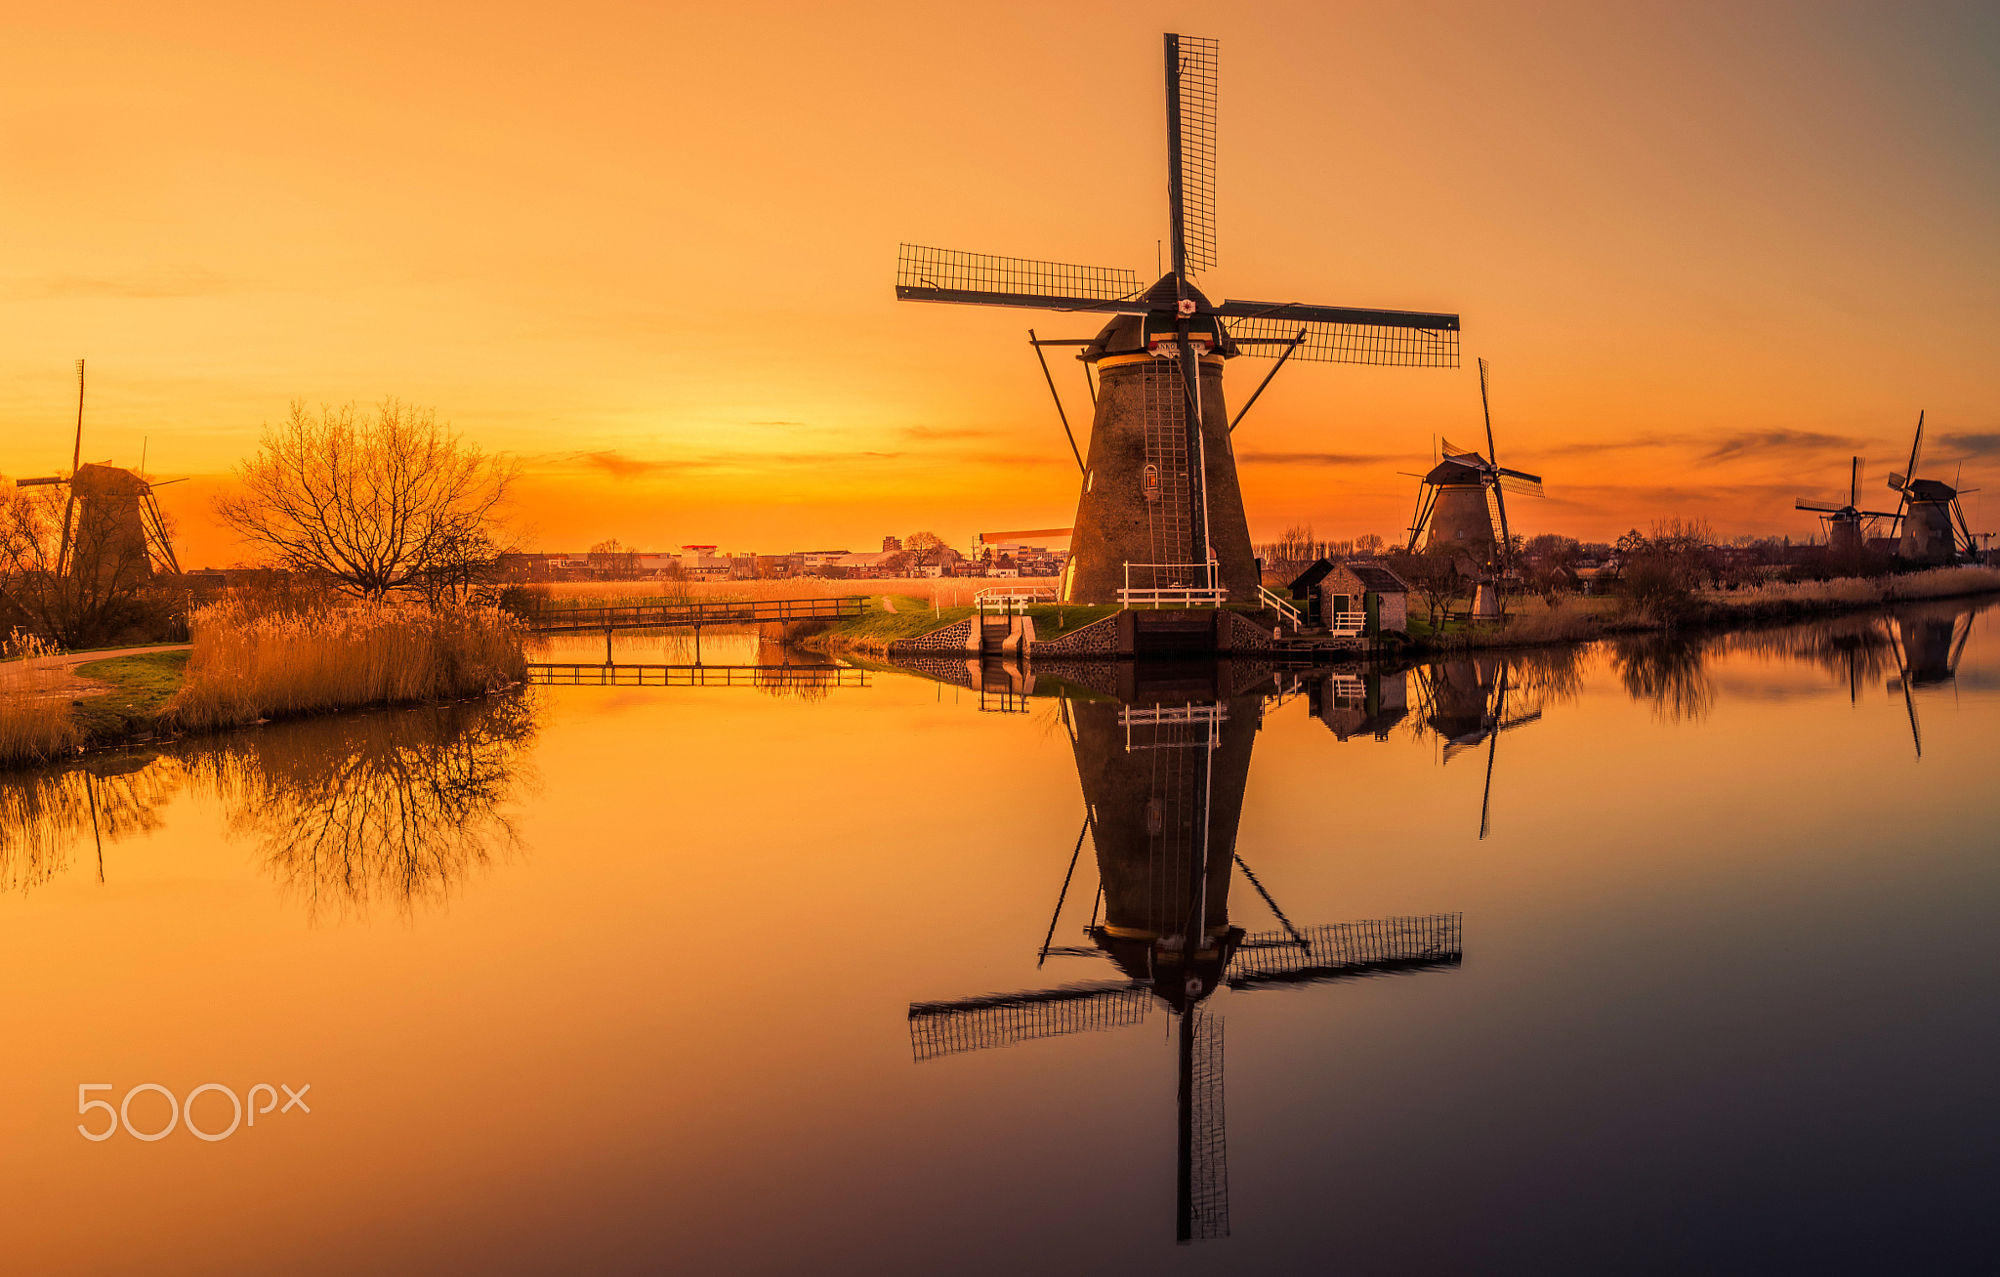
(1151, 482)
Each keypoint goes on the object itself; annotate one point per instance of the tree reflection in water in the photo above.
(47, 814)
(1668, 671)
(395, 807)
(398, 807)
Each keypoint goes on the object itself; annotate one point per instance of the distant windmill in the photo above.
(1462, 503)
(1932, 522)
(1846, 525)
(111, 517)
(1163, 787)
(1160, 516)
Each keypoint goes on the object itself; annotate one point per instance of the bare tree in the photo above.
(378, 502)
(924, 549)
(88, 597)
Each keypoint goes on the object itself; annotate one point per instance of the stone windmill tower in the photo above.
(1932, 521)
(1846, 525)
(113, 531)
(1160, 516)
(1462, 502)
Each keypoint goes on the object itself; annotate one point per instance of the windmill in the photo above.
(1163, 788)
(1932, 522)
(1466, 705)
(1160, 516)
(1846, 525)
(111, 520)
(1462, 504)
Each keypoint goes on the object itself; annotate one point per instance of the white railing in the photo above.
(1347, 689)
(1348, 624)
(1282, 605)
(1005, 599)
(1189, 585)
(1157, 717)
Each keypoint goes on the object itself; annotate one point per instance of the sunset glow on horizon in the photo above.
(1710, 253)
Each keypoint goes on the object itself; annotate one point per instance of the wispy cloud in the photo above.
(1319, 458)
(1983, 447)
(620, 465)
(147, 285)
(1757, 442)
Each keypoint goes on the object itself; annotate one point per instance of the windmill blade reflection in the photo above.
(938, 1029)
(1348, 951)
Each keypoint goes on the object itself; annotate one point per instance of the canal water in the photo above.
(1646, 956)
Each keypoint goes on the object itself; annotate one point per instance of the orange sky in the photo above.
(1710, 250)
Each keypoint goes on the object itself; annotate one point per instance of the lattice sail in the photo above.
(943, 274)
(948, 1028)
(1208, 1174)
(1194, 67)
(1348, 949)
(1347, 343)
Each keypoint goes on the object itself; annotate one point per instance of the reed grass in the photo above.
(1781, 599)
(248, 665)
(35, 720)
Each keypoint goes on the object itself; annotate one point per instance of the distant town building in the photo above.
(891, 544)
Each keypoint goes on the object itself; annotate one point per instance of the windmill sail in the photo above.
(1346, 950)
(1191, 91)
(1344, 335)
(981, 279)
(1204, 1131)
(939, 1029)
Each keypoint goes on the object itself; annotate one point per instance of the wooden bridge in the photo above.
(593, 675)
(692, 614)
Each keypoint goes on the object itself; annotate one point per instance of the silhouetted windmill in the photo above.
(1462, 502)
(1846, 525)
(1163, 788)
(1160, 517)
(1930, 517)
(111, 513)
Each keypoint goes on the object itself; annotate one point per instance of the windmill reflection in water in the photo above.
(1163, 785)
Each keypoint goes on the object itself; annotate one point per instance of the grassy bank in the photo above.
(1576, 620)
(141, 687)
(878, 627)
(246, 667)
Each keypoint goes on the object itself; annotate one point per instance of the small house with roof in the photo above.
(1352, 597)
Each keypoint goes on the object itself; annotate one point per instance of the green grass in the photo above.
(141, 686)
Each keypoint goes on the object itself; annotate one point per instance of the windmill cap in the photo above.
(1468, 467)
(1126, 334)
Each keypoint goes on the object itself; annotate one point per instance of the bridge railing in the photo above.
(692, 613)
(573, 674)
(1006, 599)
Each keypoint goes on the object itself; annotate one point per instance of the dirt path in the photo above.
(57, 675)
(888, 604)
